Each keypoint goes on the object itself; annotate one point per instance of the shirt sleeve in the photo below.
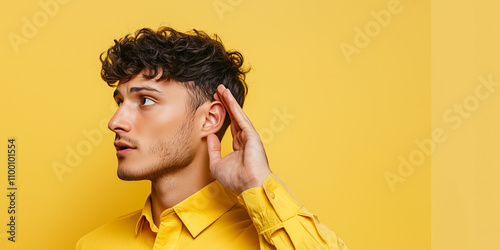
(281, 220)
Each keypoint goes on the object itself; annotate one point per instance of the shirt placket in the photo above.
(169, 232)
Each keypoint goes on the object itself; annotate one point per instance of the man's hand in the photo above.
(247, 166)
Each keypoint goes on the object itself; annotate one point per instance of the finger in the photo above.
(234, 109)
(220, 93)
(221, 90)
(214, 148)
(217, 98)
(231, 101)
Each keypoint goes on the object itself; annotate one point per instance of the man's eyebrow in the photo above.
(137, 89)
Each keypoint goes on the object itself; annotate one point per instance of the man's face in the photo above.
(153, 127)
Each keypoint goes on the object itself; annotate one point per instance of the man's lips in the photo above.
(123, 148)
(122, 152)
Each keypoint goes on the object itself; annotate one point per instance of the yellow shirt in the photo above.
(268, 217)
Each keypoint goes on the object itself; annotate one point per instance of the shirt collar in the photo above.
(196, 212)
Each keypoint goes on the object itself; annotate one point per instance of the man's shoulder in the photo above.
(122, 227)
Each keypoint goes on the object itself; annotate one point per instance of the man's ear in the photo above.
(214, 118)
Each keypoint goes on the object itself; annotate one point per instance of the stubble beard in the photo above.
(174, 155)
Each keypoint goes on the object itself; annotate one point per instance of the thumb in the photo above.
(213, 145)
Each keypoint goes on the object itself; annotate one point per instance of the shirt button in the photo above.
(271, 195)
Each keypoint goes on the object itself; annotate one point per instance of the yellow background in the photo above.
(353, 117)
(465, 169)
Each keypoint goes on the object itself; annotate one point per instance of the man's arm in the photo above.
(281, 221)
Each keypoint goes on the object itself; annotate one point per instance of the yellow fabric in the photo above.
(267, 217)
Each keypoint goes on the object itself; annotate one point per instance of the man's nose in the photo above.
(120, 122)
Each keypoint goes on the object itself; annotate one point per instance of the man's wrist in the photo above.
(258, 182)
(269, 204)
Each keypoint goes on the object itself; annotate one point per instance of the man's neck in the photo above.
(167, 191)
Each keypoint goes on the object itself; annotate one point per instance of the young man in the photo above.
(177, 94)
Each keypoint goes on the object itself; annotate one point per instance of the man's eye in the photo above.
(146, 101)
(119, 103)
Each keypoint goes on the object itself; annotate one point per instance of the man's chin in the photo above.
(137, 172)
(127, 175)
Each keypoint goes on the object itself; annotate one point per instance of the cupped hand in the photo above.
(247, 166)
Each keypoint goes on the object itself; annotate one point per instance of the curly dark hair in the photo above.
(193, 58)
